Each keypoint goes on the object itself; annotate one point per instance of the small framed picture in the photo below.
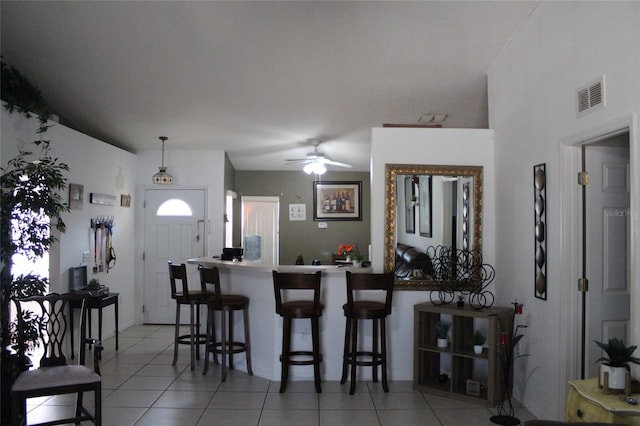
(473, 387)
(297, 212)
(125, 200)
(76, 196)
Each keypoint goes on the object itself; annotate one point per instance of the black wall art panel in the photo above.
(540, 229)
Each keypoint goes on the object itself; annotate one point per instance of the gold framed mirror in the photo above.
(446, 205)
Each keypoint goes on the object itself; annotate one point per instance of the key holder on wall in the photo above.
(101, 233)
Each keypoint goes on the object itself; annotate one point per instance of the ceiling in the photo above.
(258, 79)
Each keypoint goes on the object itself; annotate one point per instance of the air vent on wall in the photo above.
(590, 97)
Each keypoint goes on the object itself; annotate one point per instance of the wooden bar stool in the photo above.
(295, 309)
(183, 295)
(361, 309)
(225, 304)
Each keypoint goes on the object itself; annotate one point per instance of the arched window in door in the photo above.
(174, 207)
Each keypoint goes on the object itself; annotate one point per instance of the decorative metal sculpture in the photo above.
(461, 272)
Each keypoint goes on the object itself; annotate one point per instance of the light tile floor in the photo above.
(140, 387)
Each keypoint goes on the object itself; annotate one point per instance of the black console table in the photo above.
(95, 302)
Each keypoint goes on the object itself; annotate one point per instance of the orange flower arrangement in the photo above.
(344, 249)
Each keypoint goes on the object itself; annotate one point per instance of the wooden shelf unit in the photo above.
(445, 371)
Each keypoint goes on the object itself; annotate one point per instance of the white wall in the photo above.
(190, 169)
(468, 147)
(103, 169)
(562, 46)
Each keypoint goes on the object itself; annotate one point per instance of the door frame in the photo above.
(571, 252)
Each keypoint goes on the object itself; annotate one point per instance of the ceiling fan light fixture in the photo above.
(162, 177)
(315, 167)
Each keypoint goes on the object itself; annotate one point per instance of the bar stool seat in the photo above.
(183, 295)
(377, 311)
(299, 309)
(226, 304)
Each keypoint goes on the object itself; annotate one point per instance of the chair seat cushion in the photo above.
(300, 309)
(57, 377)
(229, 302)
(365, 309)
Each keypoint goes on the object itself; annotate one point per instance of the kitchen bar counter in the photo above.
(256, 282)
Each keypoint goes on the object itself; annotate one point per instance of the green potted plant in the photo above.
(477, 340)
(616, 363)
(31, 186)
(442, 329)
(356, 259)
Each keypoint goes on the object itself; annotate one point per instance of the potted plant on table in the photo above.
(616, 364)
(442, 329)
(356, 259)
(477, 340)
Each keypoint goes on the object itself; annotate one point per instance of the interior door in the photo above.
(175, 231)
(261, 217)
(608, 245)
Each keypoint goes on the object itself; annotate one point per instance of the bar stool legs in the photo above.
(376, 357)
(313, 357)
(194, 339)
(226, 347)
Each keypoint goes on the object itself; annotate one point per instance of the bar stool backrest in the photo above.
(178, 273)
(296, 281)
(211, 276)
(370, 281)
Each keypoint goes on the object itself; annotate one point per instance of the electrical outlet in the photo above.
(303, 333)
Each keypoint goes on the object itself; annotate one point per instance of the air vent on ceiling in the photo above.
(590, 97)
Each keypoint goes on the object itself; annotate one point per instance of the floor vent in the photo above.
(590, 97)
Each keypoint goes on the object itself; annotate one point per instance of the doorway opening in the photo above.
(606, 246)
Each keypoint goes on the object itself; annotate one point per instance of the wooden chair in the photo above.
(183, 295)
(55, 376)
(362, 309)
(292, 309)
(226, 304)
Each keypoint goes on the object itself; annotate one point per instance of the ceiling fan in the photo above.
(316, 161)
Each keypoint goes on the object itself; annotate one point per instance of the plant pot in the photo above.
(477, 349)
(460, 303)
(617, 376)
(356, 263)
(443, 343)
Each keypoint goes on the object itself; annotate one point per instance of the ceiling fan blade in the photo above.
(335, 163)
(297, 160)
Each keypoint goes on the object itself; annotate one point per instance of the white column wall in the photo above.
(532, 83)
(470, 147)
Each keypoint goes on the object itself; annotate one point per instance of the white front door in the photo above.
(174, 231)
(607, 245)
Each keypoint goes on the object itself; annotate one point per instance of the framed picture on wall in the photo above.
(76, 196)
(425, 210)
(410, 198)
(337, 201)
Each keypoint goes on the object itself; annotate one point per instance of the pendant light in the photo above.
(162, 177)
